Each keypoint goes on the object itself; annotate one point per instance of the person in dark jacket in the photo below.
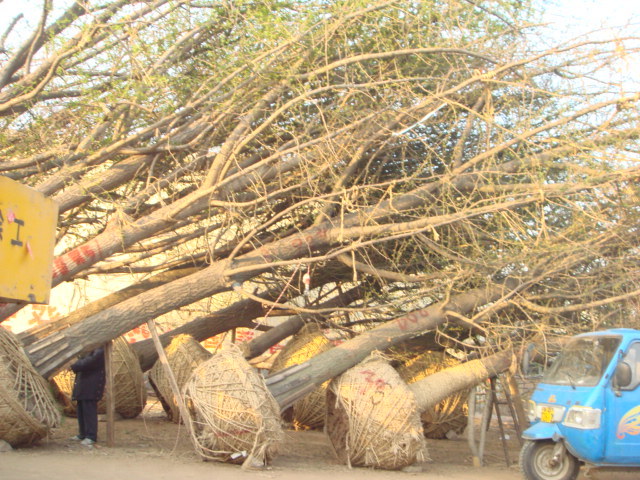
(88, 388)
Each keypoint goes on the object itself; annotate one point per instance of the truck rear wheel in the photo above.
(538, 462)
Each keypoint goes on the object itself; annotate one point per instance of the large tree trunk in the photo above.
(435, 388)
(291, 326)
(41, 331)
(289, 385)
(51, 353)
(240, 314)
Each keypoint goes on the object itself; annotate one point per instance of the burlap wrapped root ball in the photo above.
(310, 411)
(130, 395)
(234, 417)
(184, 354)
(27, 408)
(372, 418)
(449, 415)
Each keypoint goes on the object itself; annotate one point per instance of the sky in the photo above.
(573, 14)
(567, 15)
(566, 19)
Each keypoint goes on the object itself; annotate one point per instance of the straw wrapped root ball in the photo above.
(310, 410)
(184, 354)
(27, 409)
(234, 417)
(128, 380)
(450, 414)
(372, 418)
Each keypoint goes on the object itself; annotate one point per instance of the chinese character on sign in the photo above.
(11, 218)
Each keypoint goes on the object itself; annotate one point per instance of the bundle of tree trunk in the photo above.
(309, 411)
(27, 409)
(374, 417)
(130, 394)
(184, 354)
(233, 416)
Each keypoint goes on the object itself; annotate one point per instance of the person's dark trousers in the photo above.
(88, 419)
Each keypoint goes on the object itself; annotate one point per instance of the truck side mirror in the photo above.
(623, 375)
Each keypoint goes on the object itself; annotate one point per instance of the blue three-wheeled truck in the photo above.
(586, 408)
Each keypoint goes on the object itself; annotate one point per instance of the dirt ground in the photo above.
(150, 447)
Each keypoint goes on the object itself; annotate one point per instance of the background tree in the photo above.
(419, 150)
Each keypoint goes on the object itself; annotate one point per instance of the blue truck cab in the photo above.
(586, 409)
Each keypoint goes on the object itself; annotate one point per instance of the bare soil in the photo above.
(150, 447)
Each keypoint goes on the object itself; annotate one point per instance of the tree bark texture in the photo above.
(290, 326)
(435, 388)
(240, 314)
(290, 384)
(41, 331)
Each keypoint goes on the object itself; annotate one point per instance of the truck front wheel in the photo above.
(545, 460)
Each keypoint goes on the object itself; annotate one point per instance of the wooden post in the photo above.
(184, 413)
(471, 428)
(515, 401)
(109, 396)
(486, 422)
(496, 405)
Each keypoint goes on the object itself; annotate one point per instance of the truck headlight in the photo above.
(585, 418)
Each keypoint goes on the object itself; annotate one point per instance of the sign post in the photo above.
(27, 236)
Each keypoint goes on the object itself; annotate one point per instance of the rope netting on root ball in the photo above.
(372, 418)
(234, 417)
(129, 393)
(449, 415)
(27, 408)
(184, 354)
(310, 410)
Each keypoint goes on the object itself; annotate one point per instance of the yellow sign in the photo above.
(27, 236)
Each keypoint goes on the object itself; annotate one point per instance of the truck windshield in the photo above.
(582, 361)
